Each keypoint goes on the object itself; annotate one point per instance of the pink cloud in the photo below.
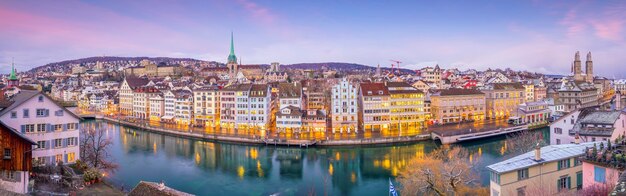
(609, 29)
(258, 12)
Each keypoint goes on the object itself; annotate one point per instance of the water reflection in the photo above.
(208, 168)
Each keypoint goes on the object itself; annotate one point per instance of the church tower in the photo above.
(589, 68)
(13, 81)
(578, 72)
(232, 60)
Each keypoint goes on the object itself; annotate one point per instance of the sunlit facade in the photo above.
(406, 107)
(456, 105)
(503, 99)
(206, 106)
(374, 103)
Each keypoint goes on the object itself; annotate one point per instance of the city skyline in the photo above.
(535, 36)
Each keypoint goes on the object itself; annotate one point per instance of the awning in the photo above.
(167, 117)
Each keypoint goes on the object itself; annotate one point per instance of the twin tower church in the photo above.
(577, 69)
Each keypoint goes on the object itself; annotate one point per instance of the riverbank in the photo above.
(260, 141)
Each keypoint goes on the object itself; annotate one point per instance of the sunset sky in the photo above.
(524, 35)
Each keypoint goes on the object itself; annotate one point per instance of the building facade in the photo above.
(456, 105)
(503, 99)
(344, 111)
(51, 126)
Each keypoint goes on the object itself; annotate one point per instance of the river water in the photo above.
(212, 168)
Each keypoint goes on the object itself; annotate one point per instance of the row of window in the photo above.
(38, 113)
(43, 127)
(57, 143)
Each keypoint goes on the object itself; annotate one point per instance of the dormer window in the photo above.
(40, 98)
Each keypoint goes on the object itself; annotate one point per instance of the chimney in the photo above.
(537, 152)
(577, 138)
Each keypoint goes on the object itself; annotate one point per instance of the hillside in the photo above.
(90, 60)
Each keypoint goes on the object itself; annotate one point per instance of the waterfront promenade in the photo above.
(304, 139)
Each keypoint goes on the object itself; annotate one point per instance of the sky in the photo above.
(536, 35)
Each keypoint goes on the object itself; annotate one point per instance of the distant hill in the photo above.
(109, 59)
(336, 66)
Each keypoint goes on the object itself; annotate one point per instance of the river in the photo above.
(213, 168)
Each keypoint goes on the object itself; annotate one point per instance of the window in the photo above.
(40, 98)
(72, 141)
(41, 112)
(41, 144)
(558, 141)
(59, 158)
(599, 174)
(9, 174)
(579, 180)
(563, 164)
(71, 157)
(58, 143)
(495, 177)
(72, 126)
(563, 184)
(58, 113)
(521, 191)
(558, 130)
(7, 153)
(522, 174)
(29, 128)
(13, 114)
(41, 127)
(25, 113)
(577, 162)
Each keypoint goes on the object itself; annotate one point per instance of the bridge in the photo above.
(449, 134)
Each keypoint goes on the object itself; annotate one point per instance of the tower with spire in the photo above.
(578, 72)
(589, 68)
(232, 60)
(13, 80)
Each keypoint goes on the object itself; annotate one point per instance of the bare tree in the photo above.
(446, 171)
(95, 149)
(523, 142)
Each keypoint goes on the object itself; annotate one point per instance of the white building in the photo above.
(54, 128)
(290, 94)
(126, 93)
(169, 106)
(244, 106)
(183, 107)
(590, 124)
(289, 119)
(344, 111)
(157, 107)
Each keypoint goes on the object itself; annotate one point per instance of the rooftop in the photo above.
(548, 154)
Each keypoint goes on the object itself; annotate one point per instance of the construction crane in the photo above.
(397, 64)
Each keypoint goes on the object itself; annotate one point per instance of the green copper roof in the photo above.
(231, 57)
(12, 76)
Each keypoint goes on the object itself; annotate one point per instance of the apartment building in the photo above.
(126, 101)
(456, 105)
(51, 126)
(169, 106)
(157, 107)
(406, 107)
(290, 94)
(206, 106)
(183, 107)
(374, 101)
(551, 170)
(141, 101)
(244, 106)
(344, 110)
(503, 99)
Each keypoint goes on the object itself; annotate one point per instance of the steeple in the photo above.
(589, 68)
(231, 57)
(12, 76)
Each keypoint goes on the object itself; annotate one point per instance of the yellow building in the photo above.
(148, 68)
(406, 107)
(454, 105)
(502, 99)
(548, 170)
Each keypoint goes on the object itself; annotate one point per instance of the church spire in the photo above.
(231, 57)
(12, 76)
